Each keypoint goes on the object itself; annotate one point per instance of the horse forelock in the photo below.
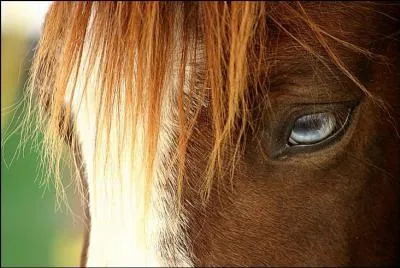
(122, 230)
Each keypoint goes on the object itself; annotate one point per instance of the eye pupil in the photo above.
(312, 128)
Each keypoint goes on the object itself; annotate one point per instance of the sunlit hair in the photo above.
(226, 45)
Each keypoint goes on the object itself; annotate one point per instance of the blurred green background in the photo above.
(33, 231)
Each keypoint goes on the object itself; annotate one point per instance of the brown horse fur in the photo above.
(242, 68)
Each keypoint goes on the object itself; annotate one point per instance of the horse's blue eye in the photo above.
(312, 128)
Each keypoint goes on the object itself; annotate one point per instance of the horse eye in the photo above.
(310, 128)
(313, 128)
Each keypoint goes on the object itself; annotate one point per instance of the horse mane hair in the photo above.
(134, 42)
